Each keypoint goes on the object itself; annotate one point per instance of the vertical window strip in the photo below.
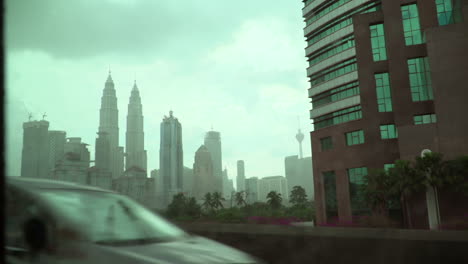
(420, 79)
(444, 12)
(411, 26)
(388, 131)
(384, 95)
(379, 50)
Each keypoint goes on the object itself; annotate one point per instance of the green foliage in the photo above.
(182, 207)
(274, 199)
(217, 200)
(239, 198)
(298, 197)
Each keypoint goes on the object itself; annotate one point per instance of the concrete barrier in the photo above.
(292, 244)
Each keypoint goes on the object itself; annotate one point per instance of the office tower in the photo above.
(35, 155)
(273, 183)
(227, 185)
(57, 141)
(135, 146)
(204, 180)
(75, 163)
(171, 157)
(102, 152)
(387, 80)
(298, 172)
(251, 190)
(213, 144)
(188, 182)
(109, 123)
(240, 176)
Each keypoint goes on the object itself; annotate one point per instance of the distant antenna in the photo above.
(43, 116)
(30, 116)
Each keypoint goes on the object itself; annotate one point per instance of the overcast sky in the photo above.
(236, 65)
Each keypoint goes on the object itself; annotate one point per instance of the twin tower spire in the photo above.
(113, 156)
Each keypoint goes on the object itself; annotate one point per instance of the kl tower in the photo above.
(299, 138)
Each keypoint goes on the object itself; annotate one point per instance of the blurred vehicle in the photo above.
(56, 222)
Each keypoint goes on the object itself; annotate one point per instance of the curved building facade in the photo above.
(377, 92)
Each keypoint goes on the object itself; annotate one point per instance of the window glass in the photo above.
(384, 97)
(420, 79)
(411, 27)
(325, 10)
(336, 94)
(334, 49)
(355, 137)
(357, 197)
(379, 51)
(334, 71)
(424, 119)
(326, 143)
(338, 117)
(329, 185)
(388, 131)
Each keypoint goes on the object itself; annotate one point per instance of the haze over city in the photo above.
(241, 72)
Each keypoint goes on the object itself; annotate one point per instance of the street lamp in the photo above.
(432, 201)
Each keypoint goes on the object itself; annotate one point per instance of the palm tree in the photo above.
(240, 200)
(208, 203)
(217, 200)
(274, 199)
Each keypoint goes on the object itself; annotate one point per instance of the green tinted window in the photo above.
(445, 13)
(342, 21)
(334, 49)
(388, 131)
(424, 119)
(379, 51)
(336, 70)
(308, 2)
(325, 10)
(338, 117)
(336, 94)
(384, 95)
(356, 182)
(326, 143)
(411, 27)
(420, 79)
(355, 137)
(389, 166)
(329, 186)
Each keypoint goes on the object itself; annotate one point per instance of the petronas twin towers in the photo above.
(109, 155)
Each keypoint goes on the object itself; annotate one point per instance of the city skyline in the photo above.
(250, 102)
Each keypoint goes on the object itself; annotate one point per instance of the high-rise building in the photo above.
(387, 80)
(273, 183)
(251, 190)
(75, 164)
(57, 141)
(135, 146)
(240, 176)
(213, 144)
(228, 188)
(136, 185)
(109, 123)
(188, 182)
(35, 155)
(171, 157)
(298, 172)
(300, 138)
(102, 152)
(204, 180)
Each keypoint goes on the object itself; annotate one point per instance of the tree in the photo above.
(433, 168)
(274, 199)
(208, 202)
(217, 200)
(457, 174)
(177, 207)
(298, 197)
(239, 197)
(192, 208)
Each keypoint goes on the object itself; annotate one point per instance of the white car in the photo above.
(56, 222)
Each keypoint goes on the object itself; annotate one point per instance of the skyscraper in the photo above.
(109, 123)
(213, 144)
(273, 183)
(135, 146)
(171, 157)
(57, 141)
(204, 180)
(75, 164)
(35, 155)
(240, 176)
(387, 80)
(298, 172)
(102, 152)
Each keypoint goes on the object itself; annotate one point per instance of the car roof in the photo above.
(35, 183)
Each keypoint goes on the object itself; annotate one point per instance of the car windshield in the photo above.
(111, 218)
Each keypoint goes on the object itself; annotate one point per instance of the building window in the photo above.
(388, 166)
(336, 94)
(329, 185)
(334, 71)
(334, 49)
(411, 26)
(342, 22)
(326, 143)
(338, 117)
(379, 52)
(424, 119)
(355, 137)
(323, 11)
(384, 96)
(388, 131)
(308, 2)
(445, 12)
(420, 79)
(357, 197)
